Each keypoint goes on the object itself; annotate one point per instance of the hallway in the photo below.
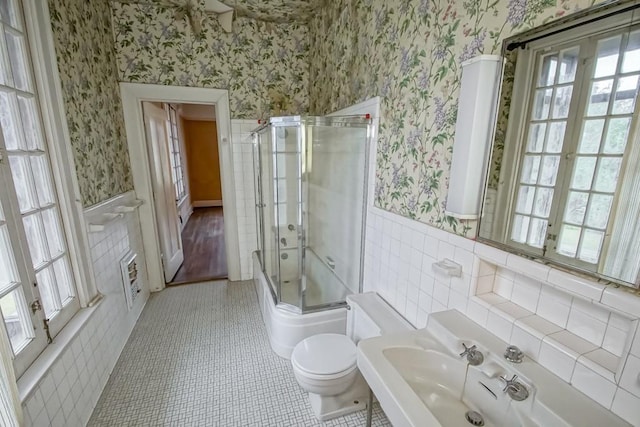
(203, 245)
(199, 356)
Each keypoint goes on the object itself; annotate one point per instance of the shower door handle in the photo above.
(330, 262)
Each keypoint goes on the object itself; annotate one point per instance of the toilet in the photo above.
(325, 364)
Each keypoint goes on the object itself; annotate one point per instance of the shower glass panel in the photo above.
(310, 203)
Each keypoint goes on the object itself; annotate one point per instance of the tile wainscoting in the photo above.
(243, 171)
(584, 332)
(67, 393)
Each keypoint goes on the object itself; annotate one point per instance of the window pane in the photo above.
(42, 179)
(568, 65)
(63, 280)
(556, 137)
(5, 72)
(568, 240)
(8, 107)
(583, 173)
(536, 137)
(599, 97)
(520, 228)
(16, 320)
(538, 232)
(599, 208)
(22, 182)
(591, 135)
(625, 98)
(46, 288)
(548, 69)
(607, 55)
(617, 135)
(590, 248)
(631, 61)
(541, 104)
(549, 170)
(530, 169)
(35, 238)
(607, 175)
(55, 239)
(30, 123)
(561, 102)
(8, 274)
(544, 197)
(576, 207)
(525, 199)
(18, 60)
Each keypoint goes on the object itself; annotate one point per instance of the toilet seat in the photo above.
(325, 356)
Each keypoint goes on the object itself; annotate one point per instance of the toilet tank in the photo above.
(370, 316)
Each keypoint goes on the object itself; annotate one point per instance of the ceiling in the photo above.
(276, 10)
(280, 11)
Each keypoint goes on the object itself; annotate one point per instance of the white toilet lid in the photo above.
(325, 354)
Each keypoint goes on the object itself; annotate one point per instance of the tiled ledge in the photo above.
(616, 297)
(591, 368)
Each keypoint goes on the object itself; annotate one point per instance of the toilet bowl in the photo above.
(325, 365)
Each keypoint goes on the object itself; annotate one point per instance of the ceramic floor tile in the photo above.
(199, 356)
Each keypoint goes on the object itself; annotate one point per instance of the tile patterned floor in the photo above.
(199, 356)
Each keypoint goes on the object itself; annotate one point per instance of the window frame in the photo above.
(519, 124)
(176, 153)
(47, 88)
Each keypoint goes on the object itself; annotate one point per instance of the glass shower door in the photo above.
(335, 200)
(266, 207)
(287, 186)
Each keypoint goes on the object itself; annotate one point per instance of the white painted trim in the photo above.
(45, 66)
(207, 203)
(132, 96)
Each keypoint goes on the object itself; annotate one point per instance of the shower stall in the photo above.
(311, 181)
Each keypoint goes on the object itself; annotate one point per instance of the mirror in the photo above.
(563, 184)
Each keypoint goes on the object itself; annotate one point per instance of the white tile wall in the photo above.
(68, 392)
(578, 329)
(245, 198)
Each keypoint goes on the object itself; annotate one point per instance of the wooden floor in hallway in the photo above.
(203, 244)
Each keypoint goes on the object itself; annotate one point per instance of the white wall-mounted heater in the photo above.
(474, 128)
(130, 277)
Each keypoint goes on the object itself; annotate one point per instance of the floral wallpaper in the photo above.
(86, 62)
(264, 65)
(409, 52)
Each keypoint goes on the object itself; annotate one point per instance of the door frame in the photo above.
(133, 94)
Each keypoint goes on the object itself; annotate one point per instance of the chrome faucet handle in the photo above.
(467, 349)
(509, 383)
(474, 356)
(515, 389)
(513, 354)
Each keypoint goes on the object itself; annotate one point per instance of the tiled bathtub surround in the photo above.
(245, 198)
(67, 393)
(584, 332)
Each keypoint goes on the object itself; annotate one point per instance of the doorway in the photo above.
(192, 232)
(213, 217)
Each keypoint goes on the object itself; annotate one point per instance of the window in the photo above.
(177, 172)
(37, 283)
(578, 153)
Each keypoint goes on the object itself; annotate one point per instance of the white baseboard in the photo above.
(207, 203)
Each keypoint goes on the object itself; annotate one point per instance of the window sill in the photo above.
(42, 365)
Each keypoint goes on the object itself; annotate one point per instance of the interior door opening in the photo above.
(182, 145)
